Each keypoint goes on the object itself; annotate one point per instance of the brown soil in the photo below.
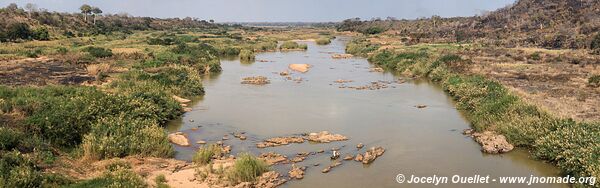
(41, 71)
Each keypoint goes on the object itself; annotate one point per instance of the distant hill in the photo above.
(542, 23)
(17, 23)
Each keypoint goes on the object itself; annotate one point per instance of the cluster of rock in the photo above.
(341, 81)
(490, 142)
(256, 80)
(370, 155)
(272, 158)
(320, 137)
(296, 172)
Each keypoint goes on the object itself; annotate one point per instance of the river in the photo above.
(418, 141)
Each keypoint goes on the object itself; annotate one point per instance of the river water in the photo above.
(418, 141)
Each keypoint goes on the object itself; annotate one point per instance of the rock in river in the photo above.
(370, 156)
(278, 141)
(296, 172)
(272, 158)
(492, 142)
(179, 139)
(325, 137)
(299, 67)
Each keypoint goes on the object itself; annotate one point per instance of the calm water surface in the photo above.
(423, 142)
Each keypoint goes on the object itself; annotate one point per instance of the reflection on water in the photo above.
(422, 142)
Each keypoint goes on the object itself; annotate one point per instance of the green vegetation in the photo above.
(323, 41)
(373, 30)
(489, 106)
(98, 52)
(291, 45)
(360, 47)
(206, 154)
(114, 177)
(161, 181)
(247, 168)
(247, 55)
(594, 81)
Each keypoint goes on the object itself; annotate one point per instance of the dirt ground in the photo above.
(557, 81)
(41, 71)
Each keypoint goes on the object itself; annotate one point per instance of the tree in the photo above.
(85, 10)
(30, 8)
(96, 11)
(12, 7)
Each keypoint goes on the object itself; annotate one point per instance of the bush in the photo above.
(120, 136)
(595, 44)
(16, 170)
(247, 168)
(119, 177)
(18, 31)
(594, 81)
(9, 139)
(206, 154)
(323, 41)
(373, 30)
(291, 45)
(360, 47)
(99, 52)
(41, 34)
(247, 55)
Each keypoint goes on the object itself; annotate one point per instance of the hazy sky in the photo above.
(277, 10)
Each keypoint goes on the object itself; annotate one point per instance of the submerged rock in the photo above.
(300, 157)
(256, 80)
(299, 67)
(348, 157)
(278, 141)
(342, 56)
(325, 137)
(360, 145)
(179, 139)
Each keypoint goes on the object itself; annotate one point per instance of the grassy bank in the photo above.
(572, 146)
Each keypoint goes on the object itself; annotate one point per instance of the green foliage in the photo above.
(247, 168)
(360, 47)
(373, 30)
(62, 50)
(99, 52)
(18, 31)
(177, 80)
(9, 139)
(161, 181)
(115, 178)
(33, 53)
(291, 45)
(594, 81)
(40, 34)
(120, 136)
(247, 55)
(595, 44)
(535, 56)
(206, 153)
(323, 41)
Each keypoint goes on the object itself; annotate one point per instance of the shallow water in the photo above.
(423, 142)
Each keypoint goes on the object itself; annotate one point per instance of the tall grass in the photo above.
(206, 154)
(247, 55)
(323, 41)
(247, 168)
(291, 45)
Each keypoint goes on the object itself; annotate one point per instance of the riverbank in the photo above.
(490, 106)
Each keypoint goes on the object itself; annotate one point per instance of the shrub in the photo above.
(373, 30)
(291, 45)
(16, 170)
(161, 181)
(595, 44)
(594, 81)
(18, 31)
(99, 52)
(247, 168)
(323, 41)
(247, 55)
(120, 136)
(206, 153)
(360, 47)
(62, 50)
(120, 177)
(41, 34)
(33, 53)
(9, 139)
